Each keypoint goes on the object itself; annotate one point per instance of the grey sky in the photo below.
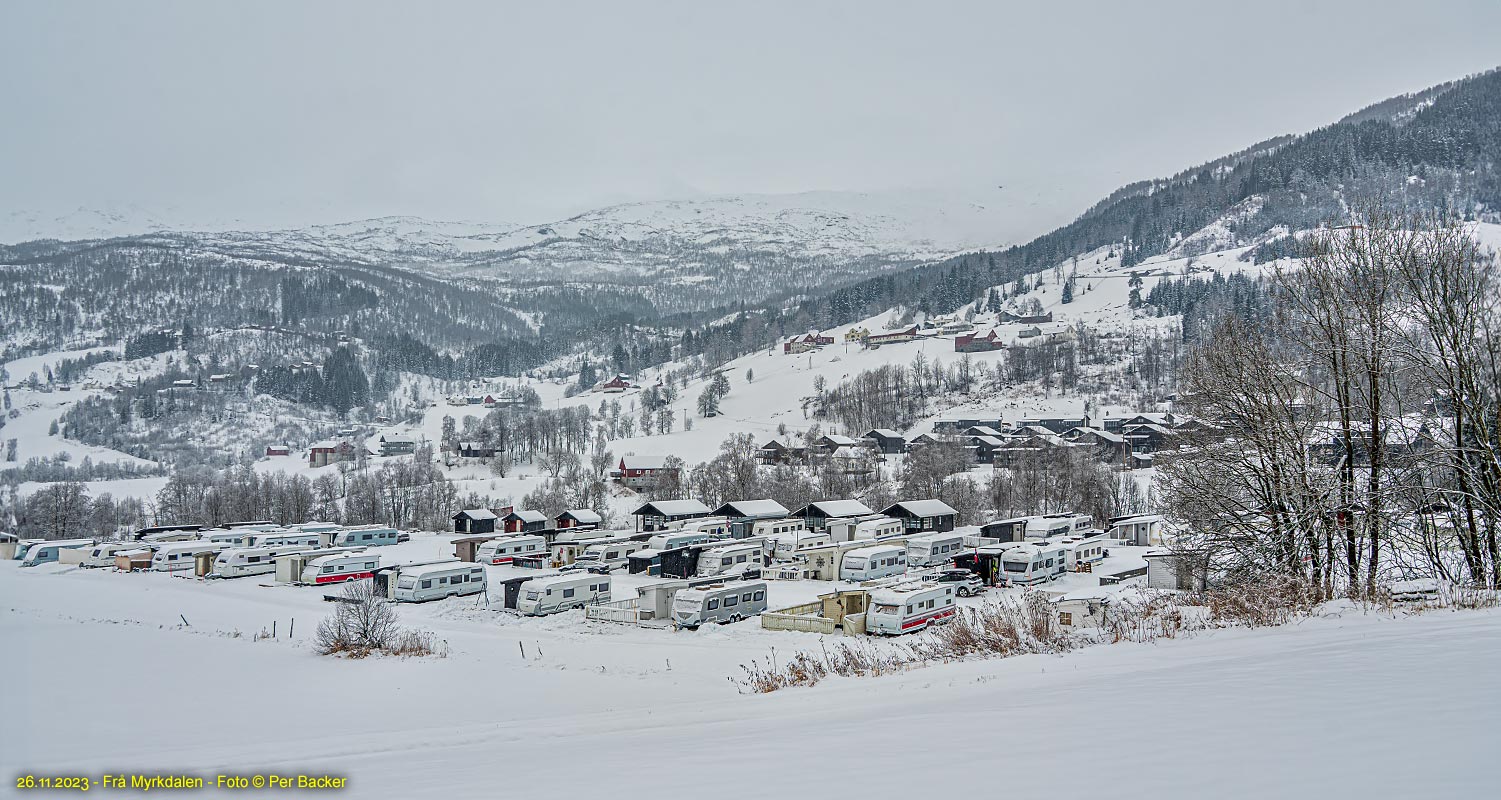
(290, 113)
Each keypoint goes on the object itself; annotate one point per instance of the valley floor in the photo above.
(102, 675)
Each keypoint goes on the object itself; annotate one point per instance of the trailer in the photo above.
(1081, 552)
(570, 542)
(722, 603)
(870, 563)
(179, 556)
(290, 567)
(785, 546)
(191, 529)
(558, 593)
(675, 539)
(50, 551)
(1049, 526)
(757, 527)
(308, 539)
(22, 545)
(934, 549)
(436, 581)
(610, 554)
(167, 537)
(909, 607)
(868, 526)
(103, 554)
(340, 567)
(1029, 564)
(237, 562)
(224, 536)
(506, 549)
(730, 558)
(364, 536)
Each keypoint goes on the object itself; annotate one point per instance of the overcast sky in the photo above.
(290, 113)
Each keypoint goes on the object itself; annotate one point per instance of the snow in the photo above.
(926, 508)
(1327, 708)
(841, 508)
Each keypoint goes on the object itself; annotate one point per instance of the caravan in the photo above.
(1048, 526)
(505, 549)
(340, 567)
(909, 607)
(180, 555)
(870, 563)
(786, 546)
(284, 539)
(869, 526)
(731, 559)
(608, 555)
(1030, 564)
(103, 554)
(225, 536)
(722, 603)
(364, 536)
(435, 581)
(675, 539)
(555, 593)
(47, 552)
(1084, 549)
(934, 549)
(238, 562)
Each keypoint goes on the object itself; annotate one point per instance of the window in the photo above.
(713, 603)
(746, 597)
(568, 592)
(427, 584)
(731, 600)
(909, 609)
(441, 579)
(365, 538)
(760, 595)
(1065, 618)
(740, 559)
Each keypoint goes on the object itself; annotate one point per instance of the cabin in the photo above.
(530, 521)
(1025, 319)
(615, 385)
(396, 444)
(996, 425)
(896, 337)
(983, 448)
(578, 518)
(884, 441)
(329, 451)
(811, 340)
(275, 450)
(1141, 530)
(751, 509)
(924, 515)
(1177, 571)
(978, 342)
(645, 472)
(658, 515)
(1118, 424)
(1149, 437)
(832, 443)
(817, 515)
(1109, 448)
(475, 520)
(1055, 424)
(477, 450)
(777, 452)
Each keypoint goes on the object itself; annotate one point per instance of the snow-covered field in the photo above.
(103, 675)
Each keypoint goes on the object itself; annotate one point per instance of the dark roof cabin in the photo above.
(924, 515)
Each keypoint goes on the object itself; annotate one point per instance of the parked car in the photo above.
(402, 538)
(965, 583)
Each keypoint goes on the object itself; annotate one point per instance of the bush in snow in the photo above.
(364, 623)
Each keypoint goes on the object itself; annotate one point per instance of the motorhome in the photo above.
(284, 539)
(610, 555)
(47, 552)
(786, 546)
(364, 536)
(103, 554)
(340, 567)
(721, 603)
(505, 549)
(870, 563)
(909, 607)
(731, 558)
(869, 526)
(933, 549)
(178, 556)
(434, 581)
(1032, 563)
(237, 562)
(556, 593)
(676, 539)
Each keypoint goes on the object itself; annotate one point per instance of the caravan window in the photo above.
(713, 603)
(533, 596)
(882, 608)
(760, 594)
(568, 592)
(406, 583)
(746, 597)
(427, 584)
(731, 600)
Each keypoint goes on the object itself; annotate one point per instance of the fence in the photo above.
(627, 612)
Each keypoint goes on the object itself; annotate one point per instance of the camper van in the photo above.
(434, 581)
(284, 539)
(610, 555)
(505, 549)
(870, 563)
(47, 552)
(870, 526)
(365, 536)
(1032, 563)
(730, 558)
(179, 555)
(340, 567)
(555, 593)
(675, 539)
(909, 607)
(103, 554)
(933, 549)
(722, 603)
(785, 546)
(238, 562)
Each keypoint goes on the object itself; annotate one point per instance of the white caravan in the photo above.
(238, 562)
(24, 545)
(730, 558)
(672, 541)
(103, 554)
(179, 556)
(284, 539)
(909, 607)
(434, 581)
(714, 527)
(554, 593)
(870, 563)
(505, 549)
(161, 537)
(47, 552)
(340, 567)
(785, 546)
(610, 555)
(934, 549)
(225, 536)
(1048, 526)
(1084, 549)
(365, 536)
(722, 603)
(1032, 563)
(870, 526)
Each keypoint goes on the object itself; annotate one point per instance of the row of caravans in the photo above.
(44, 551)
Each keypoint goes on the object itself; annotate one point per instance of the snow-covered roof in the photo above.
(477, 513)
(839, 508)
(417, 571)
(985, 430)
(530, 515)
(327, 444)
(886, 432)
(990, 440)
(837, 439)
(900, 594)
(922, 508)
(673, 508)
(644, 462)
(583, 515)
(752, 508)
